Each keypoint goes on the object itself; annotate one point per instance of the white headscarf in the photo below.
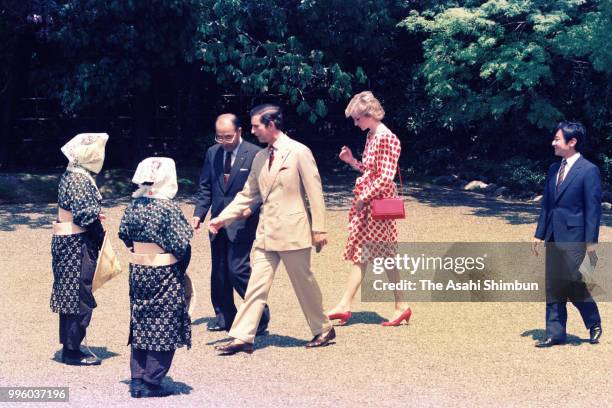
(86, 150)
(160, 171)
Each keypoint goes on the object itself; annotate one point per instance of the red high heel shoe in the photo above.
(343, 317)
(404, 316)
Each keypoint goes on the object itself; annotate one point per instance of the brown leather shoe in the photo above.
(321, 340)
(233, 348)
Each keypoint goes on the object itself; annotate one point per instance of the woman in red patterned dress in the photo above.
(377, 167)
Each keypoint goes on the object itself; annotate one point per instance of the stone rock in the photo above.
(501, 192)
(475, 185)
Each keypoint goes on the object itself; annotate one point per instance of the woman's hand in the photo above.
(359, 205)
(346, 155)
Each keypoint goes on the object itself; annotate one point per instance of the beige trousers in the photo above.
(263, 267)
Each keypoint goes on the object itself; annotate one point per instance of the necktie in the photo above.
(227, 166)
(561, 173)
(271, 150)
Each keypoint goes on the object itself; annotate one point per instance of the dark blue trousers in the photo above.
(564, 282)
(72, 328)
(231, 270)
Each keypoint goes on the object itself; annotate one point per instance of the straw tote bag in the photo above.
(107, 266)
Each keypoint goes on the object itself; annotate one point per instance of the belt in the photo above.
(153, 259)
(67, 228)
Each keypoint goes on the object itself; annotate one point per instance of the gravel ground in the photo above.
(451, 354)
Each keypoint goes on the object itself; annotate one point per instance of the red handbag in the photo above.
(391, 208)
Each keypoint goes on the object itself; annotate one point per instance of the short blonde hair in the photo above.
(365, 104)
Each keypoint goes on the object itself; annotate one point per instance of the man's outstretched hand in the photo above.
(215, 225)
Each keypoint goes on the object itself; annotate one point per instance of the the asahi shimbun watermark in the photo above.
(481, 271)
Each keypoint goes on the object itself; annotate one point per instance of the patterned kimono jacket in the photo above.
(73, 254)
(159, 318)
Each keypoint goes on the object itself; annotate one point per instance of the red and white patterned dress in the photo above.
(378, 165)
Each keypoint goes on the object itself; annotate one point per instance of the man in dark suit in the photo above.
(226, 169)
(569, 223)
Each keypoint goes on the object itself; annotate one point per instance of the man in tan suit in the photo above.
(281, 176)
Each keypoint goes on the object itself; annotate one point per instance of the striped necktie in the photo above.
(561, 173)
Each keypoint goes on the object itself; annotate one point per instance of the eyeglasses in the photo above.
(224, 138)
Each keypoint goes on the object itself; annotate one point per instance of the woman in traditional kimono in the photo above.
(158, 235)
(77, 238)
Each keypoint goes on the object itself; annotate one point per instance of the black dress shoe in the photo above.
(150, 391)
(549, 342)
(81, 360)
(321, 340)
(136, 385)
(214, 328)
(233, 348)
(595, 333)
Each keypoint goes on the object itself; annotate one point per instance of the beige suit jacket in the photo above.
(285, 222)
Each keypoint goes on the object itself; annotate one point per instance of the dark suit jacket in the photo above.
(571, 213)
(213, 194)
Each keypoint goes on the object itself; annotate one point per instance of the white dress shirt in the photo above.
(570, 162)
(234, 152)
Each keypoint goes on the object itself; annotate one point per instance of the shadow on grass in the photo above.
(102, 352)
(338, 191)
(177, 387)
(339, 194)
(363, 318)
(269, 340)
(514, 212)
(30, 215)
(202, 320)
(277, 340)
(540, 334)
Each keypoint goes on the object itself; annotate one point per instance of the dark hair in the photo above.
(235, 119)
(573, 130)
(269, 113)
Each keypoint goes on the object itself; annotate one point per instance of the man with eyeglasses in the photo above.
(226, 168)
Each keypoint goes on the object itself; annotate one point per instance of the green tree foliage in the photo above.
(509, 57)
(306, 52)
(477, 84)
(297, 51)
(499, 70)
(112, 48)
